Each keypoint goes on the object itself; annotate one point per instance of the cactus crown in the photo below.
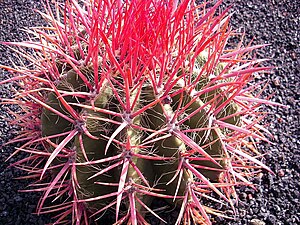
(137, 100)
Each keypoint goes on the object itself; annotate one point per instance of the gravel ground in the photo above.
(265, 21)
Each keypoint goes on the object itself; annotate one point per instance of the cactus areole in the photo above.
(125, 102)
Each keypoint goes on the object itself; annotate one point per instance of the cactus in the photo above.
(125, 102)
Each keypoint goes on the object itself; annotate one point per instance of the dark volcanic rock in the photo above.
(274, 22)
(16, 208)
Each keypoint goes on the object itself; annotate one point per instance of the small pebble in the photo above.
(281, 173)
(257, 222)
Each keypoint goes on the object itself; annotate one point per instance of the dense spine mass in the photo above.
(125, 102)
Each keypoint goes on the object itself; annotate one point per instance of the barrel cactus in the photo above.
(125, 102)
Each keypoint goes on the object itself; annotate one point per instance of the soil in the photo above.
(276, 200)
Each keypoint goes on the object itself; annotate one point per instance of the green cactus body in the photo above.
(95, 150)
(156, 172)
(168, 147)
(208, 137)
